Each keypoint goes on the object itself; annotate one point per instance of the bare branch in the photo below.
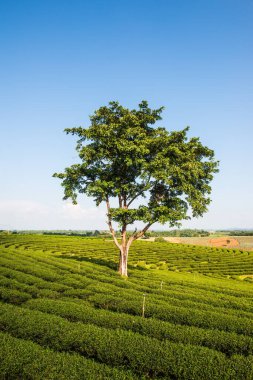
(125, 201)
(110, 224)
(137, 235)
(140, 193)
(133, 199)
(142, 232)
(135, 230)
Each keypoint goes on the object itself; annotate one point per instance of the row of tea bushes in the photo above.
(182, 257)
(132, 305)
(168, 300)
(84, 278)
(142, 355)
(23, 359)
(69, 296)
(77, 280)
(13, 296)
(174, 302)
(229, 343)
(173, 314)
(40, 275)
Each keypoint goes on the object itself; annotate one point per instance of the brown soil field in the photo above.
(228, 242)
(239, 242)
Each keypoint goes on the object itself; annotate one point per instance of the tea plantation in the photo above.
(183, 313)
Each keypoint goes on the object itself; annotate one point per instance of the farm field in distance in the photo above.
(222, 241)
(185, 312)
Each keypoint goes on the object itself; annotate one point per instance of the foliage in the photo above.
(241, 233)
(181, 233)
(159, 239)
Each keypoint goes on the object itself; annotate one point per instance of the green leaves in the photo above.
(124, 157)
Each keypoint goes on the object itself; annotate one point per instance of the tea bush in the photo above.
(140, 354)
(63, 300)
(22, 359)
(229, 343)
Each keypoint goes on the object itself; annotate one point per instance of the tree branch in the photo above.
(137, 235)
(110, 224)
(142, 232)
(138, 194)
(125, 201)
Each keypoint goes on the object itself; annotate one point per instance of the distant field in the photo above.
(66, 314)
(240, 242)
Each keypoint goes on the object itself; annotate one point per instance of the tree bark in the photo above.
(125, 245)
(123, 256)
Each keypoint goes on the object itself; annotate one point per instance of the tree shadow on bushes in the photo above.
(107, 263)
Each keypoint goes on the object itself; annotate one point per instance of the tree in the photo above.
(153, 174)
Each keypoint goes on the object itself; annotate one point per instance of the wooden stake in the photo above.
(143, 305)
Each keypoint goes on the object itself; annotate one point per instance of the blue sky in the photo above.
(61, 60)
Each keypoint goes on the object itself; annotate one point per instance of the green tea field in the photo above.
(185, 311)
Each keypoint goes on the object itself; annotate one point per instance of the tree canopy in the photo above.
(123, 157)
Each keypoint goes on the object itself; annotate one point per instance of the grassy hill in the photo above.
(66, 314)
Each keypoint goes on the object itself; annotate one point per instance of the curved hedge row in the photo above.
(173, 314)
(174, 296)
(229, 343)
(69, 298)
(206, 260)
(143, 355)
(22, 359)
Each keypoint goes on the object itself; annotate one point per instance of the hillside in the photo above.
(66, 314)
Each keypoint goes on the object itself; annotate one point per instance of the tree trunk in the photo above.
(123, 256)
(125, 244)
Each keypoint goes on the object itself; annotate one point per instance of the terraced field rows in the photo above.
(206, 260)
(62, 299)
